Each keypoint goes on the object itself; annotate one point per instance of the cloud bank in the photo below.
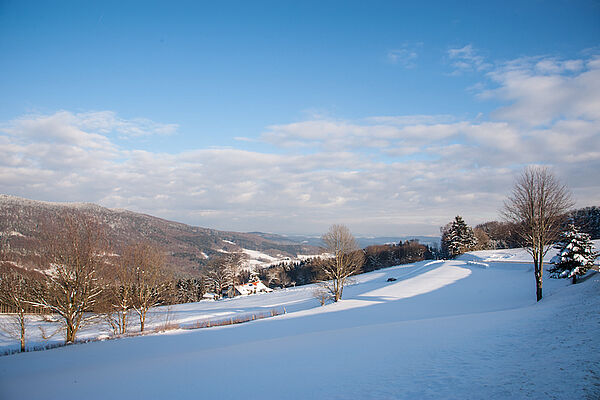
(392, 174)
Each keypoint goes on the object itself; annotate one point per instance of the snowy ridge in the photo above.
(8, 199)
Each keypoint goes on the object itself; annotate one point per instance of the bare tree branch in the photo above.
(347, 259)
(75, 249)
(145, 267)
(538, 204)
(15, 292)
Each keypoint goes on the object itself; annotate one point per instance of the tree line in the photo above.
(86, 280)
(457, 237)
(537, 216)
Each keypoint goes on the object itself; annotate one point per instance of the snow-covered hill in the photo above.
(446, 329)
(189, 248)
(513, 255)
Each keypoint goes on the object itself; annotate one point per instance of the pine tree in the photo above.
(575, 254)
(458, 238)
(254, 276)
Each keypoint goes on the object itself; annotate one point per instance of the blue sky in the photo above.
(289, 116)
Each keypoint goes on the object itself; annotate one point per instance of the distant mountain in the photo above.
(189, 247)
(433, 241)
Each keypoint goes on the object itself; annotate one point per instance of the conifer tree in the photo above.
(254, 276)
(575, 254)
(458, 238)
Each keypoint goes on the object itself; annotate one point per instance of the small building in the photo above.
(210, 296)
(252, 288)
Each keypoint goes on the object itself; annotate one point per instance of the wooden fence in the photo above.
(6, 309)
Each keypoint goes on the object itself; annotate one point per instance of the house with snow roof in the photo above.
(251, 288)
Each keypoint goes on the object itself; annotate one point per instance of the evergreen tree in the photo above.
(457, 238)
(575, 254)
(254, 276)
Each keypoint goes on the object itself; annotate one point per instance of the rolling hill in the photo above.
(188, 247)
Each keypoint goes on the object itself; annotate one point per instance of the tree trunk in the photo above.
(22, 320)
(574, 279)
(538, 278)
(70, 337)
(142, 321)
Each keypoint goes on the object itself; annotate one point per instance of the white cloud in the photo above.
(404, 120)
(87, 129)
(536, 96)
(384, 174)
(465, 59)
(406, 58)
(108, 121)
(405, 55)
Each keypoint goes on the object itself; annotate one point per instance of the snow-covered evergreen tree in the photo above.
(575, 254)
(254, 276)
(458, 238)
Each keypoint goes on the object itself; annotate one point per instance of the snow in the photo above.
(444, 329)
(257, 259)
(12, 233)
(252, 288)
(14, 264)
(303, 257)
(512, 255)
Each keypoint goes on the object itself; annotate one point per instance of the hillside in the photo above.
(444, 329)
(189, 247)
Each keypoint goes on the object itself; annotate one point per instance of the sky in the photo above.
(287, 117)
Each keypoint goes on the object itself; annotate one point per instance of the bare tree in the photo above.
(281, 276)
(272, 275)
(322, 293)
(223, 272)
(347, 259)
(15, 293)
(482, 238)
(75, 250)
(217, 275)
(145, 264)
(233, 262)
(120, 296)
(538, 204)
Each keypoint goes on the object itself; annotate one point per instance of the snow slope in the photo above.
(513, 255)
(448, 329)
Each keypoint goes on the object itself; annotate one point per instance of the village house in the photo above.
(251, 288)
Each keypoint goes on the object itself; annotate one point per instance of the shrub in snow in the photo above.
(322, 293)
(575, 255)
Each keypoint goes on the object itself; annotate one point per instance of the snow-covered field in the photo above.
(461, 329)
